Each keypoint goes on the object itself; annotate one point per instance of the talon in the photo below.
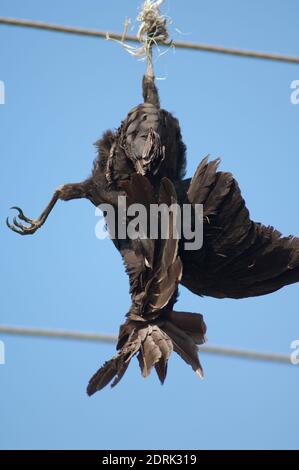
(21, 213)
(12, 227)
(22, 216)
(19, 228)
(17, 224)
(7, 223)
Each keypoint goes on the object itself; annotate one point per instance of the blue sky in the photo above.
(62, 92)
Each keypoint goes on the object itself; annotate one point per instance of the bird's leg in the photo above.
(149, 89)
(150, 92)
(65, 193)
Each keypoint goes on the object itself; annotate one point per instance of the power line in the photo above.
(59, 334)
(130, 38)
(106, 338)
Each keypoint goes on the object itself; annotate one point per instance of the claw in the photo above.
(21, 213)
(17, 227)
(9, 225)
(22, 216)
(13, 228)
(17, 224)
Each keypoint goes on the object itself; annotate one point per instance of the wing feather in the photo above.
(239, 258)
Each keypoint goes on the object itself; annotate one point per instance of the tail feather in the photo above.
(161, 370)
(165, 345)
(191, 323)
(153, 344)
(184, 346)
(103, 376)
(150, 353)
(117, 366)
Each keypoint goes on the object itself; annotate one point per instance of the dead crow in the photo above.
(144, 161)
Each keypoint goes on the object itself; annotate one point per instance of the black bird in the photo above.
(145, 161)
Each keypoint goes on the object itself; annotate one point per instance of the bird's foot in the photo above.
(17, 227)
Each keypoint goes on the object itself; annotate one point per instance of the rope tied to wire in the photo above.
(152, 31)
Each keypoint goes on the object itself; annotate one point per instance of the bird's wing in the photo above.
(152, 329)
(239, 258)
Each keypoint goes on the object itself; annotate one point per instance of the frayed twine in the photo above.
(152, 30)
